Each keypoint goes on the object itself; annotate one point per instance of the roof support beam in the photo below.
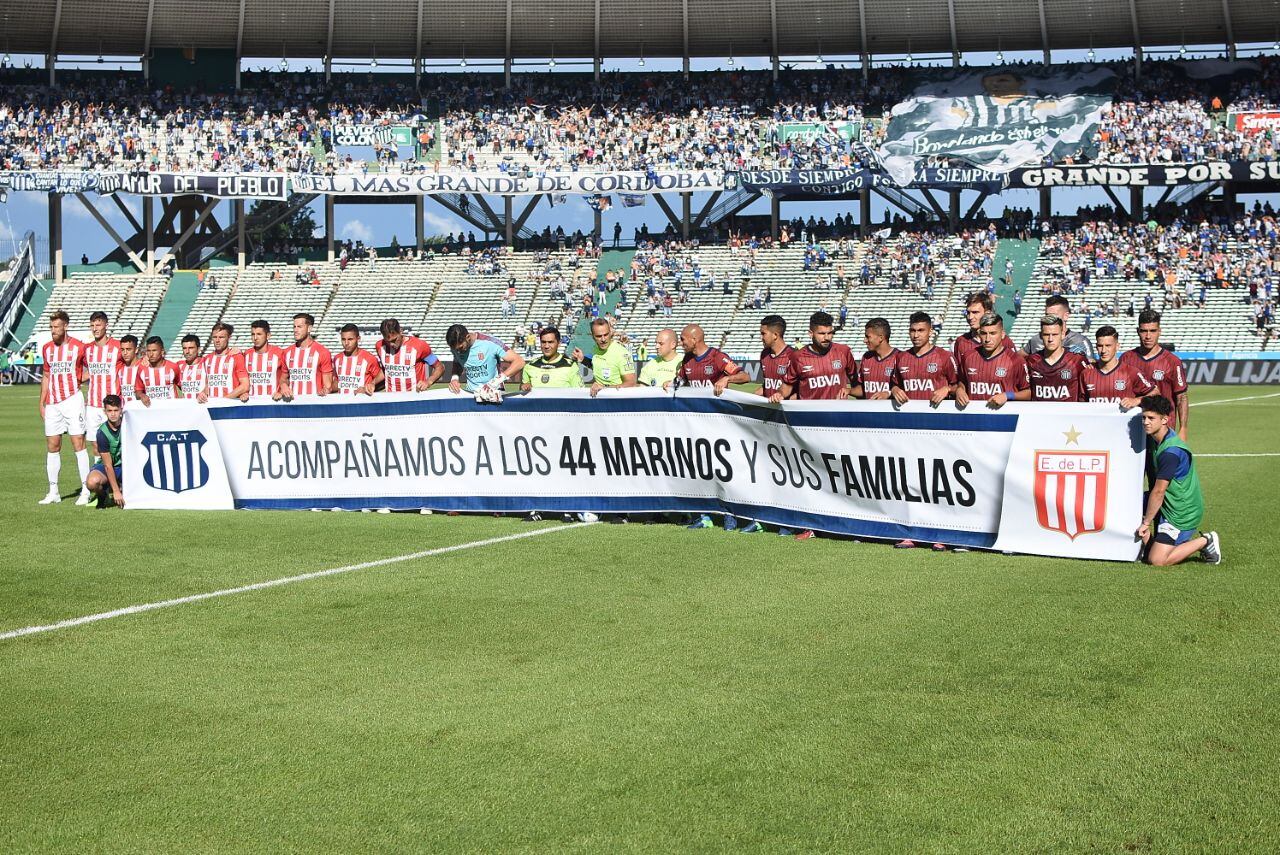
(417, 42)
(146, 41)
(862, 29)
(773, 35)
(239, 41)
(595, 50)
(1137, 38)
(955, 43)
(684, 29)
(1044, 34)
(53, 41)
(328, 38)
(507, 50)
(1231, 36)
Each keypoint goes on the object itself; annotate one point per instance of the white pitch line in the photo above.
(275, 583)
(1244, 454)
(1231, 400)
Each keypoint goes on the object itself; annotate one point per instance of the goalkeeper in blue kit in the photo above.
(477, 364)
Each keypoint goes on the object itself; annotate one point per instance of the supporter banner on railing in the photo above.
(223, 185)
(1050, 479)
(845, 183)
(1145, 175)
(363, 135)
(229, 185)
(996, 119)
(1254, 122)
(812, 132)
(508, 184)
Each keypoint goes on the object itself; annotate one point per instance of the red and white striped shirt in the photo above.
(193, 377)
(63, 364)
(308, 366)
(356, 371)
(223, 372)
(406, 367)
(127, 377)
(264, 369)
(157, 381)
(102, 362)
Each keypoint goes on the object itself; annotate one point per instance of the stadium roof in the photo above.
(622, 28)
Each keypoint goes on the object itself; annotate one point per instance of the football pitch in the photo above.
(637, 687)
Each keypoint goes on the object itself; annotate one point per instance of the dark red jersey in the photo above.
(985, 377)
(1059, 381)
(922, 374)
(1165, 372)
(706, 370)
(774, 369)
(876, 373)
(969, 342)
(1122, 381)
(821, 376)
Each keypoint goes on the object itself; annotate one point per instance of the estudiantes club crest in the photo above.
(1071, 491)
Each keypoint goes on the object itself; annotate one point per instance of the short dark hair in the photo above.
(1051, 321)
(98, 316)
(389, 326)
(555, 331)
(352, 328)
(601, 322)
(306, 316)
(112, 401)
(1106, 330)
(60, 315)
(129, 339)
(991, 319)
(821, 319)
(1148, 316)
(1157, 404)
(1057, 300)
(921, 318)
(192, 338)
(455, 336)
(155, 339)
(879, 325)
(777, 323)
(981, 297)
(226, 328)
(261, 325)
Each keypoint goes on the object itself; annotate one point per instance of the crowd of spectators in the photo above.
(624, 121)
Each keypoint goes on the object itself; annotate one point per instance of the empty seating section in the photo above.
(209, 306)
(1224, 323)
(391, 289)
(272, 293)
(475, 299)
(130, 302)
(429, 295)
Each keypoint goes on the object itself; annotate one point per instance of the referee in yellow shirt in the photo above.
(552, 370)
(661, 372)
(611, 363)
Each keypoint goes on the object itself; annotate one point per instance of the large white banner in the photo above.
(1051, 479)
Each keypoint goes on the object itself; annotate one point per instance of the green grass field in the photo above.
(632, 687)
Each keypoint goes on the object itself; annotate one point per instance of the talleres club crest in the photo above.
(175, 460)
(1071, 490)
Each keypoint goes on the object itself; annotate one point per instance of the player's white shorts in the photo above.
(65, 417)
(94, 418)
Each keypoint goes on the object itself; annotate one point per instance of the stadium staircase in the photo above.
(1023, 253)
(614, 259)
(181, 295)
